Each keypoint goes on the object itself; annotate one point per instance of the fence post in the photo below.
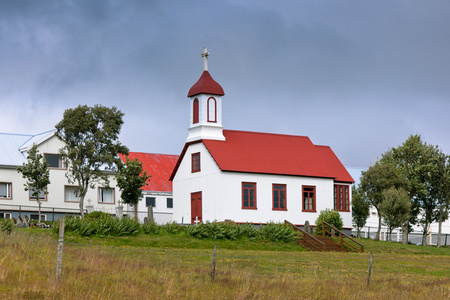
(213, 265)
(431, 238)
(370, 268)
(446, 240)
(59, 254)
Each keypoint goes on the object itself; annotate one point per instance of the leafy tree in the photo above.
(330, 216)
(416, 160)
(377, 179)
(440, 190)
(91, 137)
(395, 208)
(37, 175)
(130, 179)
(360, 210)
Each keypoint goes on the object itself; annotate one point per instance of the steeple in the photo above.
(205, 106)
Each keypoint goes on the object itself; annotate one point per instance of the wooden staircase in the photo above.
(326, 243)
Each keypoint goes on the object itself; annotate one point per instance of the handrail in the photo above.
(341, 237)
(305, 234)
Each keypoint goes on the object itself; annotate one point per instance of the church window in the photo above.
(248, 195)
(309, 198)
(341, 198)
(195, 111)
(279, 197)
(150, 201)
(195, 162)
(212, 110)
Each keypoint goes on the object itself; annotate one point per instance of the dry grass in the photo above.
(27, 271)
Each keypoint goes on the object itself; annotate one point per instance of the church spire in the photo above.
(206, 106)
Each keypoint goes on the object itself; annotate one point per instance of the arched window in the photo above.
(195, 111)
(212, 110)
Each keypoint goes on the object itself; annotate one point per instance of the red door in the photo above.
(196, 207)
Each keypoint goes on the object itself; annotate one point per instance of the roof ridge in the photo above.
(267, 133)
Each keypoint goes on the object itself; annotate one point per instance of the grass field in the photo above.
(178, 267)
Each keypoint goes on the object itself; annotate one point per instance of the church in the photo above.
(252, 176)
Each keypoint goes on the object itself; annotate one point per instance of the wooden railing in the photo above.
(308, 238)
(341, 237)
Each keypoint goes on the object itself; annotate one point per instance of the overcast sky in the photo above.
(359, 76)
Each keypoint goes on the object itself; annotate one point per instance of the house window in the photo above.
(150, 201)
(309, 198)
(70, 195)
(279, 197)
(249, 195)
(42, 194)
(212, 112)
(35, 217)
(169, 202)
(195, 112)
(5, 215)
(5, 190)
(105, 195)
(195, 162)
(55, 161)
(341, 198)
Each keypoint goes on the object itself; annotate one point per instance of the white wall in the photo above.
(222, 194)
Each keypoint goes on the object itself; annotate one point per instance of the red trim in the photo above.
(195, 111)
(180, 158)
(195, 162)
(249, 200)
(282, 199)
(341, 198)
(215, 110)
(309, 197)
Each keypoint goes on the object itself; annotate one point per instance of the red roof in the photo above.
(267, 153)
(206, 85)
(160, 166)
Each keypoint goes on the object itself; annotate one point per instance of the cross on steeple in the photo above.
(205, 58)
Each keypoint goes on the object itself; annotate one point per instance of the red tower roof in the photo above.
(206, 85)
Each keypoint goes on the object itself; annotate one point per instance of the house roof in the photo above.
(13, 147)
(267, 153)
(159, 166)
(206, 85)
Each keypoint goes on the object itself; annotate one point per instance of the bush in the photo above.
(330, 216)
(278, 232)
(6, 225)
(151, 228)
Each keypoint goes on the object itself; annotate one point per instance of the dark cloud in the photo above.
(358, 76)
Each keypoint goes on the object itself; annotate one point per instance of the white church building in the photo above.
(252, 176)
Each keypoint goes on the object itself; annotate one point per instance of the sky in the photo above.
(358, 76)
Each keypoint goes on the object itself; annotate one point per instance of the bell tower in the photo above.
(205, 99)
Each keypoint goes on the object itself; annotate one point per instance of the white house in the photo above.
(251, 176)
(60, 200)
(158, 191)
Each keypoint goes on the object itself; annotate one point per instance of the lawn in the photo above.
(179, 267)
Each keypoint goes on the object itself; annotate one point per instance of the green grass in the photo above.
(178, 267)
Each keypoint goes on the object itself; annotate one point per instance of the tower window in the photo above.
(212, 110)
(195, 109)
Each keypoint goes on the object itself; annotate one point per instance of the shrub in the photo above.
(97, 215)
(278, 232)
(330, 216)
(151, 228)
(6, 225)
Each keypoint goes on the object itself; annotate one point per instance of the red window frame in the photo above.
(249, 195)
(279, 197)
(308, 198)
(341, 197)
(195, 162)
(210, 118)
(195, 111)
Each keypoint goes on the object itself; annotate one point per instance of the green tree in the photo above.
(416, 160)
(440, 190)
(330, 216)
(377, 179)
(395, 208)
(360, 210)
(92, 146)
(130, 179)
(36, 174)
